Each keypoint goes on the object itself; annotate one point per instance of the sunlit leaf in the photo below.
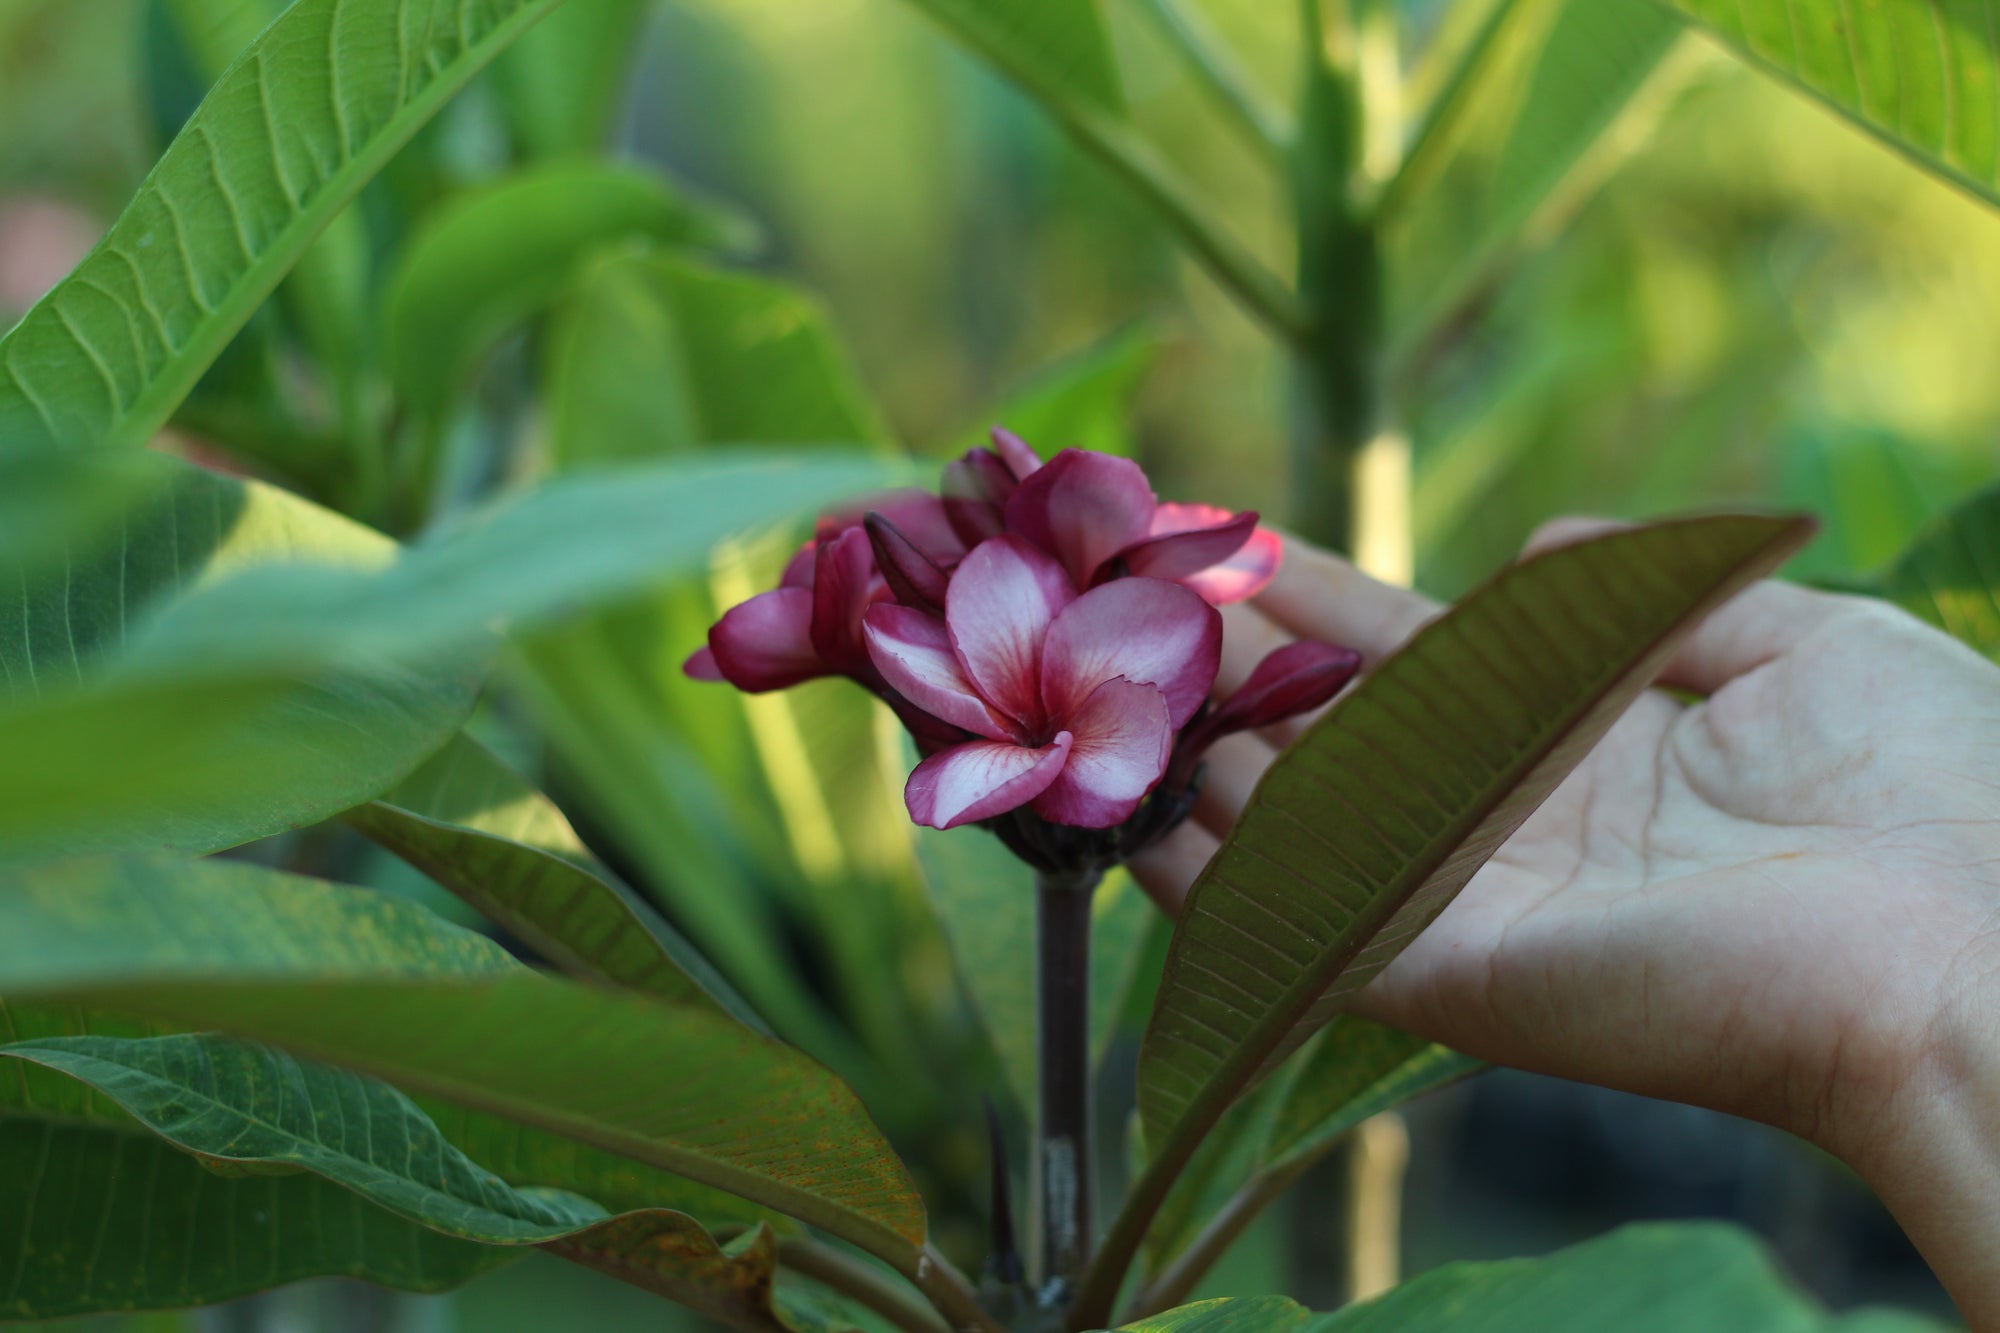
(488, 260)
(1920, 75)
(562, 85)
(1082, 402)
(286, 137)
(477, 827)
(342, 975)
(1058, 50)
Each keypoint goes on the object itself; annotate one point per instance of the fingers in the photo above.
(1317, 595)
(1757, 625)
(1234, 766)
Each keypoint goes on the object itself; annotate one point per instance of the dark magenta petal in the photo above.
(913, 652)
(1181, 555)
(1290, 680)
(1146, 630)
(1243, 575)
(1019, 456)
(766, 642)
(845, 584)
(914, 577)
(1122, 735)
(1003, 597)
(975, 487)
(1083, 508)
(981, 779)
(701, 665)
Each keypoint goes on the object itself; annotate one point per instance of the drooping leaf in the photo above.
(1362, 831)
(1923, 76)
(562, 85)
(249, 1111)
(490, 259)
(1950, 575)
(286, 137)
(97, 753)
(1648, 1278)
(342, 975)
(1059, 51)
(475, 826)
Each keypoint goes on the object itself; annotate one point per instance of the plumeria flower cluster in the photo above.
(1048, 633)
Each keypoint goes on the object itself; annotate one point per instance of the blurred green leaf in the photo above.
(343, 975)
(99, 751)
(249, 1111)
(1950, 576)
(1353, 1069)
(1059, 51)
(1648, 1278)
(1366, 827)
(1921, 76)
(1542, 133)
(1082, 402)
(562, 84)
(488, 260)
(283, 141)
(475, 826)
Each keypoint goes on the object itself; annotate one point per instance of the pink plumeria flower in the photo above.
(1071, 702)
(1098, 515)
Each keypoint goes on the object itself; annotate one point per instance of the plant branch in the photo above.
(1445, 114)
(1063, 1154)
(860, 1282)
(949, 1293)
(1173, 1286)
(1225, 81)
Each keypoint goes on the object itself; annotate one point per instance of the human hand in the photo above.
(1779, 900)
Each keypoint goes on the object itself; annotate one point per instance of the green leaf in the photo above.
(1058, 50)
(1950, 576)
(655, 354)
(495, 256)
(1363, 830)
(287, 136)
(1353, 1069)
(475, 826)
(1555, 83)
(1082, 402)
(97, 752)
(563, 84)
(345, 976)
(1920, 75)
(1649, 1278)
(249, 1111)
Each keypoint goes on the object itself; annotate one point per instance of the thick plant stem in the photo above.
(1064, 1161)
(860, 1282)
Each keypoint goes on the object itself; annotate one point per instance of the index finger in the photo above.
(1318, 595)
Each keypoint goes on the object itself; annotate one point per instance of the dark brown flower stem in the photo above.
(1063, 1156)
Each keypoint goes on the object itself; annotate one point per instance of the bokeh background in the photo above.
(1737, 300)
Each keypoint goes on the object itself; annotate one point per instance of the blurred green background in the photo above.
(1735, 299)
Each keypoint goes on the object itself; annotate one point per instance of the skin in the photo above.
(1781, 901)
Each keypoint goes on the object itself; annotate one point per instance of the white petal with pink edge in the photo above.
(981, 779)
(1084, 507)
(1146, 630)
(1002, 599)
(766, 642)
(1243, 575)
(1122, 737)
(913, 652)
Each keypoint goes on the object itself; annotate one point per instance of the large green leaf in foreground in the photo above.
(1365, 829)
(249, 1112)
(174, 758)
(1923, 76)
(348, 977)
(475, 826)
(288, 135)
(1652, 1278)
